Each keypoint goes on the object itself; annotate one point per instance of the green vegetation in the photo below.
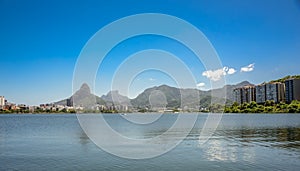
(13, 111)
(37, 111)
(282, 80)
(267, 107)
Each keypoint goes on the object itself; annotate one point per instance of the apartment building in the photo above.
(244, 94)
(2, 101)
(292, 90)
(270, 91)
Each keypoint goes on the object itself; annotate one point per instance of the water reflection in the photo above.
(230, 142)
(83, 138)
(237, 144)
(242, 142)
(288, 137)
(216, 149)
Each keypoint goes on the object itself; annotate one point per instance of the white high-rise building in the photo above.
(2, 101)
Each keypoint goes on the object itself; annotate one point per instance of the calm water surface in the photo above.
(241, 142)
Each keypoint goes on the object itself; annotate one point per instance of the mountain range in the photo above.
(171, 96)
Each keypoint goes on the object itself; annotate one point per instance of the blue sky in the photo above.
(41, 40)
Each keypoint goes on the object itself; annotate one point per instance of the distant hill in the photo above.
(172, 95)
(82, 97)
(191, 97)
(228, 90)
(114, 97)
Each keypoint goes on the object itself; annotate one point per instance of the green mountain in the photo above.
(191, 97)
(82, 97)
(113, 97)
(171, 97)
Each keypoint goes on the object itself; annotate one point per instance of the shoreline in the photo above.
(198, 113)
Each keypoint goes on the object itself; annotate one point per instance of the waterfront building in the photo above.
(237, 95)
(244, 94)
(270, 91)
(275, 92)
(2, 101)
(249, 94)
(292, 90)
(260, 93)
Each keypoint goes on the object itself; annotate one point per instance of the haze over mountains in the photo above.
(171, 96)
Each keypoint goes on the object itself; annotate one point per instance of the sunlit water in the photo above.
(241, 142)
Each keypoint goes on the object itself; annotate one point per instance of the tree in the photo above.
(253, 104)
(269, 103)
(268, 107)
(294, 107)
(216, 108)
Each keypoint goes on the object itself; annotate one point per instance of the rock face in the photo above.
(114, 97)
(82, 97)
(84, 90)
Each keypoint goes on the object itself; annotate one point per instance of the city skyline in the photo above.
(256, 41)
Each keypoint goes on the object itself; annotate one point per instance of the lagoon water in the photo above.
(241, 142)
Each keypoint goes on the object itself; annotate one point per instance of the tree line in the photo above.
(268, 107)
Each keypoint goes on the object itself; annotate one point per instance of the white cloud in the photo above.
(151, 79)
(248, 68)
(231, 71)
(225, 69)
(200, 84)
(216, 75)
